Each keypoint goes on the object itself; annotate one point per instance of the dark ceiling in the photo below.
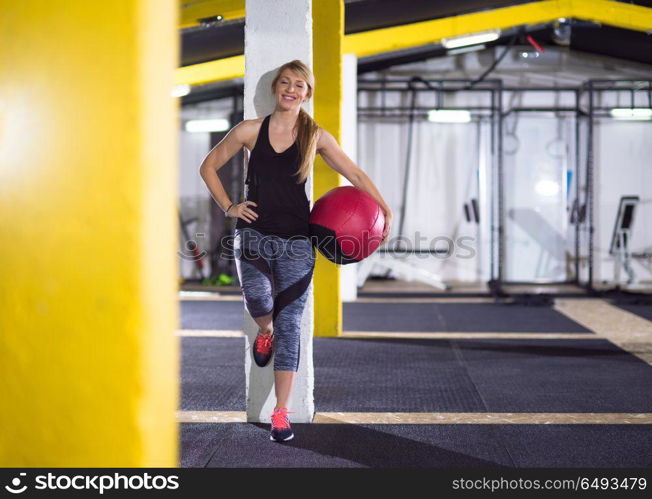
(203, 45)
(216, 42)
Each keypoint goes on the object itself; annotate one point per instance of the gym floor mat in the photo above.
(459, 375)
(369, 316)
(575, 446)
(644, 311)
(324, 445)
(211, 314)
(490, 317)
(440, 446)
(212, 374)
(406, 375)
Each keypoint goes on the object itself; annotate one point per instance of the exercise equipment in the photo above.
(346, 225)
(619, 247)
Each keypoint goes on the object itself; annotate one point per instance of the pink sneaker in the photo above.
(281, 430)
(263, 345)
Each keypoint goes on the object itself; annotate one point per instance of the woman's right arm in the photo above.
(216, 159)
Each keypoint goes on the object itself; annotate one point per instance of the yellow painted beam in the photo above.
(207, 72)
(328, 35)
(618, 14)
(190, 11)
(610, 12)
(422, 33)
(88, 198)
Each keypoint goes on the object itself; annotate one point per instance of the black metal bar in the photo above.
(361, 88)
(426, 108)
(577, 188)
(535, 283)
(371, 111)
(621, 89)
(436, 80)
(602, 115)
(492, 183)
(501, 207)
(540, 110)
(401, 89)
(570, 89)
(589, 184)
(196, 96)
(415, 251)
(539, 89)
(610, 108)
(628, 80)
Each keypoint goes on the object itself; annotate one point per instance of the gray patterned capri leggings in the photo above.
(275, 274)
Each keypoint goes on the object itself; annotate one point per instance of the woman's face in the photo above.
(291, 90)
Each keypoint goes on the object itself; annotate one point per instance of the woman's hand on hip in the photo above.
(243, 211)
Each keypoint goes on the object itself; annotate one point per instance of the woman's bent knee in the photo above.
(259, 306)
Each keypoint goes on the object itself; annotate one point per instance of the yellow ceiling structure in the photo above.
(411, 35)
(207, 72)
(609, 12)
(193, 10)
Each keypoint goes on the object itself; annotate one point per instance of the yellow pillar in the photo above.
(88, 233)
(328, 36)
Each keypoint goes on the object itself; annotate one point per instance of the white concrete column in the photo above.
(275, 33)
(349, 273)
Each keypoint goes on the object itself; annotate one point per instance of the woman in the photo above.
(274, 255)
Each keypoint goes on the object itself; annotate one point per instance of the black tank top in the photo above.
(283, 207)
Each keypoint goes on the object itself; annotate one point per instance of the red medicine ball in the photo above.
(346, 225)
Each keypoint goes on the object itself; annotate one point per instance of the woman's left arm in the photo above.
(337, 159)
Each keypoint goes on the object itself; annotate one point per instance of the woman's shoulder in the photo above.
(247, 131)
(324, 139)
(252, 124)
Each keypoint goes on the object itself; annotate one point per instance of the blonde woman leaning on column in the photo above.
(283, 147)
